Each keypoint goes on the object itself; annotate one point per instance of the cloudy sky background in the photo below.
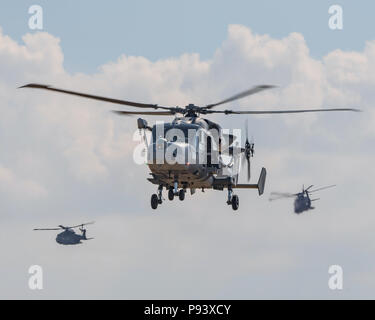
(66, 160)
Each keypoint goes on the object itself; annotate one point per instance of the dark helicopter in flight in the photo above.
(192, 152)
(68, 236)
(302, 200)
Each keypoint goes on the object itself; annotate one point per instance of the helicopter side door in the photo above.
(230, 159)
(208, 149)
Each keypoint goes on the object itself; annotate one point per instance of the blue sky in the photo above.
(95, 32)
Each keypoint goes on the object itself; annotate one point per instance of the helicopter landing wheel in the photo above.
(154, 201)
(235, 202)
(171, 194)
(181, 195)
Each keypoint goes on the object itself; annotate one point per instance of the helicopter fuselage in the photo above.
(187, 153)
(69, 237)
(302, 203)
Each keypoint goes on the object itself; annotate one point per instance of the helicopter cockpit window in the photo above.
(174, 133)
(201, 139)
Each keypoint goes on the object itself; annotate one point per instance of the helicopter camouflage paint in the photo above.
(198, 163)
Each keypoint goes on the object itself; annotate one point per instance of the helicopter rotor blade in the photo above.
(248, 150)
(247, 128)
(280, 195)
(248, 163)
(81, 225)
(47, 229)
(247, 158)
(145, 113)
(309, 188)
(248, 169)
(323, 188)
(94, 97)
(241, 95)
(174, 110)
(229, 139)
(227, 112)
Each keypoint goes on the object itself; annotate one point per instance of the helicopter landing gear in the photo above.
(175, 188)
(171, 194)
(160, 194)
(181, 195)
(233, 200)
(154, 201)
(174, 192)
(230, 193)
(157, 199)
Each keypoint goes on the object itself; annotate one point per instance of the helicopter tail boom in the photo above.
(260, 186)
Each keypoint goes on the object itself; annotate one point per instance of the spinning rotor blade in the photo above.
(323, 188)
(174, 110)
(241, 95)
(248, 170)
(229, 139)
(309, 188)
(247, 129)
(246, 157)
(280, 111)
(248, 164)
(248, 150)
(145, 113)
(94, 97)
(280, 195)
(82, 224)
(48, 229)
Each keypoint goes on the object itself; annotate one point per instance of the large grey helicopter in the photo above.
(202, 164)
(302, 201)
(68, 236)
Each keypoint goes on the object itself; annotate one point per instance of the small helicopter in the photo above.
(197, 159)
(68, 236)
(303, 201)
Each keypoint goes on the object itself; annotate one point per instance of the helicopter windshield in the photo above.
(172, 132)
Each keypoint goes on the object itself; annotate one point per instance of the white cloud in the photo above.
(16, 188)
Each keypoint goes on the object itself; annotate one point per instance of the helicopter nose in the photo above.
(170, 153)
(177, 153)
